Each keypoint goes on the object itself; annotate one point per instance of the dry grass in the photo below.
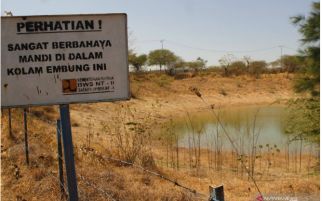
(158, 98)
(39, 180)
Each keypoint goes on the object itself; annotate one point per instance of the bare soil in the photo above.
(156, 98)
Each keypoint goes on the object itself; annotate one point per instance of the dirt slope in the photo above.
(156, 97)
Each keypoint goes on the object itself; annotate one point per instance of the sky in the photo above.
(209, 29)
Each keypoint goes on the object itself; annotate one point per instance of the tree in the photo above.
(162, 57)
(226, 61)
(303, 119)
(180, 63)
(197, 65)
(256, 68)
(309, 27)
(304, 116)
(137, 61)
(202, 62)
(290, 63)
(237, 68)
(247, 60)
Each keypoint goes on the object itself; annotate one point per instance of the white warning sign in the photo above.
(63, 59)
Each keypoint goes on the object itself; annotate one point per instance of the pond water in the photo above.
(245, 126)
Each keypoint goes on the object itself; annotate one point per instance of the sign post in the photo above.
(26, 135)
(216, 193)
(60, 159)
(68, 152)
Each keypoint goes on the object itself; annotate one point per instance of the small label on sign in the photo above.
(88, 85)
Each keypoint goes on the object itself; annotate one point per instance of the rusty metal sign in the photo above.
(62, 59)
